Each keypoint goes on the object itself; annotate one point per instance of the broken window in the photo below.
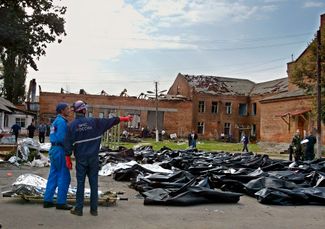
(254, 109)
(200, 127)
(227, 129)
(201, 106)
(228, 108)
(253, 130)
(242, 109)
(214, 107)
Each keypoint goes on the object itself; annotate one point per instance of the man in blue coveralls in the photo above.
(59, 175)
(83, 138)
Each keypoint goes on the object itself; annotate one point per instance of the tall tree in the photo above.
(26, 27)
(304, 74)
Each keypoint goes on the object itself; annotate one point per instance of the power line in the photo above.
(212, 40)
(154, 71)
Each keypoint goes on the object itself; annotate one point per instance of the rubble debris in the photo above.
(29, 152)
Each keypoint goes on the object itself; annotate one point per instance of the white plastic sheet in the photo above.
(110, 168)
(34, 185)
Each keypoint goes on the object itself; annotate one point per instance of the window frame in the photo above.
(201, 106)
(200, 127)
(254, 109)
(228, 108)
(240, 105)
(20, 122)
(214, 107)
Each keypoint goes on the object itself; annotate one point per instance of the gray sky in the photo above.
(116, 44)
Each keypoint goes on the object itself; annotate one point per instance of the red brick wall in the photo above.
(214, 123)
(274, 129)
(174, 122)
(181, 87)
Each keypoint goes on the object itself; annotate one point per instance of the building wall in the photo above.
(214, 123)
(275, 129)
(181, 87)
(177, 114)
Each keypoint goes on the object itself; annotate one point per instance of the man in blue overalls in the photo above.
(59, 176)
(84, 138)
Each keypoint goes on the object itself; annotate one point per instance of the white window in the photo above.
(21, 122)
(201, 106)
(214, 108)
(228, 108)
(254, 109)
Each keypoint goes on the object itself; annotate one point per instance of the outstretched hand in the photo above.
(128, 118)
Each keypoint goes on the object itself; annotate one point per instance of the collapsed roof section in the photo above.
(217, 85)
(220, 85)
(274, 86)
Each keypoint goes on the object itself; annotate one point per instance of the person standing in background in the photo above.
(309, 148)
(244, 140)
(31, 130)
(41, 131)
(296, 146)
(15, 130)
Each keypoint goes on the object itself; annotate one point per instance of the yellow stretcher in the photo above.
(107, 199)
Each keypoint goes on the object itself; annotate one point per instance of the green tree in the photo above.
(304, 74)
(26, 27)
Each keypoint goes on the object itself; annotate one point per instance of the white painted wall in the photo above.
(12, 120)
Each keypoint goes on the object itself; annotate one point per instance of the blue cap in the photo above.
(60, 107)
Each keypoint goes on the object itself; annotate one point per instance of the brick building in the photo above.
(225, 107)
(212, 106)
(283, 114)
(174, 114)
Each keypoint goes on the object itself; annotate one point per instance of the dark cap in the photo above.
(60, 107)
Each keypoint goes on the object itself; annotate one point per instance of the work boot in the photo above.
(47, 204)
(63, 206)
(76, 211)
(94, 212)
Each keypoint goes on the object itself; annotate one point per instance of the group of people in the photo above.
(42, 128)
(302, 149)
(81, 137)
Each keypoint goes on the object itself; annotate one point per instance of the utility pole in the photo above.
(319, 100)
(157, 95)
(156, 92)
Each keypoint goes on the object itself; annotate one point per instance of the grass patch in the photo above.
(201, 145)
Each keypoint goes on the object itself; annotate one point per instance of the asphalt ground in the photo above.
(247, 213)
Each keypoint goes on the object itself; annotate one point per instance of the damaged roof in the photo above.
(231, 86)
(274, 86)
(285, 95)
(220, 85)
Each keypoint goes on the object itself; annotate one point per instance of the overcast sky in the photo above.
(116, 44)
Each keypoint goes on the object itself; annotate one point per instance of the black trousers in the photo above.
(245, 148)
(41, 137)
